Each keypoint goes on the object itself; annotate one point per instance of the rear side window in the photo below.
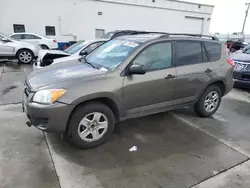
(17, 37)
(214, 50)
(29, 36)
(189, 52)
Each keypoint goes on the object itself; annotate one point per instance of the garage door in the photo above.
(193, 25)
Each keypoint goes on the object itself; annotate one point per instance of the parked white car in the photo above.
(42, 41)
(72, 53)
(13, 49)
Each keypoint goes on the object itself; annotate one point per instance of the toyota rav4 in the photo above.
(128, 77)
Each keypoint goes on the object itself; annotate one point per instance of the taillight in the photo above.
(54, 41)
(231, 62)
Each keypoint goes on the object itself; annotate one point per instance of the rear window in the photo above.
(214, 50)
(188, 52)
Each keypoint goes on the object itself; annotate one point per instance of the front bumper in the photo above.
(242, 83)
(36, 65)
(241, 79)
(48, 118)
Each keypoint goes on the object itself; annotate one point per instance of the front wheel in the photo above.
(209, 101)
(90, 125)
(25, 56)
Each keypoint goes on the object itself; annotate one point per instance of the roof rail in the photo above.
(145, 32)
(187, 34)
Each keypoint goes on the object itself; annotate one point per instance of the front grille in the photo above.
(26, 91)
(248, 67)
(241, 66)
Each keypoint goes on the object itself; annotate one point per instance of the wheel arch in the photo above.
(220, 83)
(108, 101)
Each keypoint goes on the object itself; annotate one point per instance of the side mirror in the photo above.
(5, 40)
(83, 53)
(136, 69)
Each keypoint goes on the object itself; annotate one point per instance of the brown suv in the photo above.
(128, 77)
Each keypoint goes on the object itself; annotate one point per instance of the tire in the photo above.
(45, 47)
(25, 56)
(85, 111)
(200, 107)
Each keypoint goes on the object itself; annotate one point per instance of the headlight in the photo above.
(48, 96)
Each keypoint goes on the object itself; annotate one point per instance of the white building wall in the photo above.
(80, 17)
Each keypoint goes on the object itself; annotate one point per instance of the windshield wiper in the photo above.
(85, 61)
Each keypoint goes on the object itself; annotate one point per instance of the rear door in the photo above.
(193, 70)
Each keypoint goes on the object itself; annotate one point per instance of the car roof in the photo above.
(140, 37)
(147, 37)
(25, 33)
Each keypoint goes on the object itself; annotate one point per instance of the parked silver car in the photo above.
(13, 49)
(127, 77)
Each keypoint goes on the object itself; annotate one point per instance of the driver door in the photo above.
(155, 89)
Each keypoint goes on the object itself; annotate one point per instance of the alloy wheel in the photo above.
(25, 57)
(211, 101)
(93, 126)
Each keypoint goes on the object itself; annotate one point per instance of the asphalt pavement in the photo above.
(174, 149)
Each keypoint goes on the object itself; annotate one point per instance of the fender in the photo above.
(96, 96)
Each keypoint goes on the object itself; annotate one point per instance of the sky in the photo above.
(228, 15)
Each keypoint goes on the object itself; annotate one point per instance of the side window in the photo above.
(17, 37)
(18, 28)
(155, 57)
(188, 52)
(214, 50)
(29, 36)
(93, 46)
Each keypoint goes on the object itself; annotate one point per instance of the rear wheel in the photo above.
(90, 125)
(25, 56)
(209, 101)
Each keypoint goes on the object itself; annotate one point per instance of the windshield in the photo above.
(112, 53)
(7, 37)
(108, 35)
(77, 46)
(246, 50)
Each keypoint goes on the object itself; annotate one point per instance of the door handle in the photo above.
(208, 71)
(170, 76)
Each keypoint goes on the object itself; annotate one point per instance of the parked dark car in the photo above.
(241, 73)
(228, 43)
(237, 45)
(117, 33)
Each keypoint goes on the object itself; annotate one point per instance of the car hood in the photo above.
(52, 53)
(62, 74)
(240, 57)
(71, 58)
